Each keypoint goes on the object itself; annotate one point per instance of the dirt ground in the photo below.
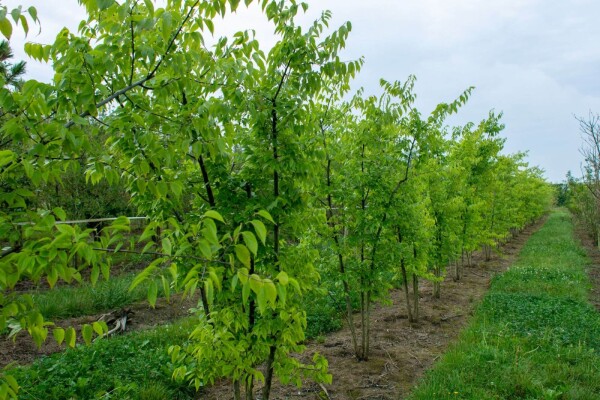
(24, 351)
(400, 352)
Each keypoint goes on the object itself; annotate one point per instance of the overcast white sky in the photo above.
(536, 61)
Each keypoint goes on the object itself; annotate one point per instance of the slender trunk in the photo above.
(363, 324)
(415, 297)
(457, 271)
(274, 133)
(488, 252)
(367, 333)
(237, 395)
(269, 373)
(437, 270)
(349, 313)
(209, 192)
(250, 389)
(342, 266)
(406, 293)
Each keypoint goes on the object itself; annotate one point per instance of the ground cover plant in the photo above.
(132, 366)
(535, 335)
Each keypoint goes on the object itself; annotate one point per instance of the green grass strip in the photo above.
(86, 299)
(534, 336)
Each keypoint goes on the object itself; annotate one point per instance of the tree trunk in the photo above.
(250, 389)
(269, 373)
(237, 395)
(363, 325)
(487, 249)
(406, 293)
(437, 270)
(367, 332)
(457, 270)
(415, 297)
(349, 316)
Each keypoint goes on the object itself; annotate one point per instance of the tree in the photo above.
(590, 130)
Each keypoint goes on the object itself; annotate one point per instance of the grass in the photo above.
(534, 336)
(74, 301)
(133, 366)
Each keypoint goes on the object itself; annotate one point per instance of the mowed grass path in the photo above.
(535, 335)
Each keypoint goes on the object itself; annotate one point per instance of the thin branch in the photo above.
(145, 79)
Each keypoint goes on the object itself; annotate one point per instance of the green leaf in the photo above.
(52, 277)
(282, 293)
(167, 21)
(265, 214)
(163, 189)
(209, 290)
(16, 13)
(166, 288)
(149, 232)
(242, 254)
(104, 4)
(6, 156)
(204, 247)
(87, 332)
(33, 12)
(59, 335)
(210, 231)
(94, 275)
(210, 25)
(70, 337)
(245, 292)
(261, 299)
(6, 27)
(60, 213)
(260, 229)
(152, 293)
(256, 283)
(150, 7)
(100, 327)
(250, 241)
(12, 382)
(142, 276)
(283, 278)
(166, 245)
(243, 274)
(270, 292)
(214, 215)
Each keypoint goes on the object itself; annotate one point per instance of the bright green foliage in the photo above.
(534, 336)
(224, 149)
(215, 149)
(18, 15)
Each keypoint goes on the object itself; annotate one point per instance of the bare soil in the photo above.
(401, 352)
(22, 350)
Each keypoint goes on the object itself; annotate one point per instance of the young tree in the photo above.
(590, 130)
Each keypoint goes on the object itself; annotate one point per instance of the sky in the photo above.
(537, 62)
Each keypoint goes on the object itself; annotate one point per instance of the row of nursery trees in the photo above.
(256, 171)
(582, 194)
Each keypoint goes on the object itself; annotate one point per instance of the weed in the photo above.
(132, 366)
